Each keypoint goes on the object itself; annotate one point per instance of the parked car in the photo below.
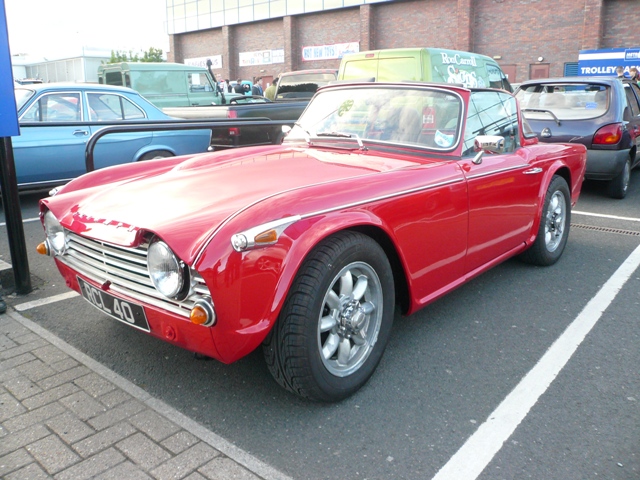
(601, 113)
(245, 108)
(57, 119)
(382, 194)
(302, 84)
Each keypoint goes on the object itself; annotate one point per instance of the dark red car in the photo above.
(382, 194)
(600, 113)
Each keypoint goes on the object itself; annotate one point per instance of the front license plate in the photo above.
(126, 312)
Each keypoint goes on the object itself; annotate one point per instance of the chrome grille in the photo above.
(126, 270)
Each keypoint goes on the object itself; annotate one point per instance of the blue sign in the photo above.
(603, 63)
(8, 114)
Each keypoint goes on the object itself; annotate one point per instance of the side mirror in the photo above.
(489, 144)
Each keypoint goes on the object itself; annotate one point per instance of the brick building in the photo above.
(263, 38)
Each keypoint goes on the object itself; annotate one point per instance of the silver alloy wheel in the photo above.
(555, 220)
(350, 319)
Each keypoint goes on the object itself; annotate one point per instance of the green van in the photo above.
(424, 65)
(163, 84)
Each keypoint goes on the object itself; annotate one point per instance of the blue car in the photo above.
(57, 120)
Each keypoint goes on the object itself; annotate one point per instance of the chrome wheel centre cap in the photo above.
(354, 316)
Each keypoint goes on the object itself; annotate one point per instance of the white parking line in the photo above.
(473, 457)
(25, 220)
(601, 215)
(45, 301)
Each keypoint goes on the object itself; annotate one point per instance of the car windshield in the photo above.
(574, 101)
(427, 117)
(22, 96)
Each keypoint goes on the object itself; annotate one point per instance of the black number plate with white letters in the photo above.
(126, 312)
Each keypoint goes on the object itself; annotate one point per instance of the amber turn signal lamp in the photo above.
(270, 236)
(42, 248)
(199, 316)
(202, 313)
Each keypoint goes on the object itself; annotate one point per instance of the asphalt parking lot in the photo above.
(470, 387)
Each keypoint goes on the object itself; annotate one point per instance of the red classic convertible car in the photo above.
(381, 195)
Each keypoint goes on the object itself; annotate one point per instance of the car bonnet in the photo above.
(184, 205)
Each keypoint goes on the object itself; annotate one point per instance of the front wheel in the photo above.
(554, 225)
(336, 321)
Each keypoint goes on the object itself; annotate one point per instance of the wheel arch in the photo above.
(390, 249)
(323, 229)
(561, 171)
(153, 148)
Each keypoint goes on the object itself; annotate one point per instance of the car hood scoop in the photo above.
(185, 204)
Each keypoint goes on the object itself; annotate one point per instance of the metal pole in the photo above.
(13, 214)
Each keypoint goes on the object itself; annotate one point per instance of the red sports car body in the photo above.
(380, 195)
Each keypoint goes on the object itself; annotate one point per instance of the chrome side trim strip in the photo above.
(500, 170)
(383, 197)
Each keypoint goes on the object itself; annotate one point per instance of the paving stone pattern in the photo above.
(59, 419)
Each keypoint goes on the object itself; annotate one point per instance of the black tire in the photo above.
(554, 225)
(619, 186)
(317, 325)
(155, 154)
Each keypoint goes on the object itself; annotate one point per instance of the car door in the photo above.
(633, 117)
(51, 143)
(115, 148)
(503, 188)
(201, 91)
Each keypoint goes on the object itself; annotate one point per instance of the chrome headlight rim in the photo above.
(169, 274)
(56, 236)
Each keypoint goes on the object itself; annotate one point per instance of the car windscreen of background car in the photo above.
(303, 85)
(565, 101)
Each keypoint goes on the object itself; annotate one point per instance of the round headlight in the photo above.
(55, 233)
(167, 274)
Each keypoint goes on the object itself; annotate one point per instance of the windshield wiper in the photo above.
(342, 135)
(538, 110)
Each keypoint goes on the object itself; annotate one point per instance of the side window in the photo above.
(55, 107)
(113, 78)
(105, 107)
(632, 101)
(131, 110)
(491, 113)
(198, 82)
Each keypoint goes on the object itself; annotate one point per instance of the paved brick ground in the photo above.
(64, 416)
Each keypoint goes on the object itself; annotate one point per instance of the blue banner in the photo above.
(603, 63)
(8, 114)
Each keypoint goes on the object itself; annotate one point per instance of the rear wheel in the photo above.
(554, 225)
(155, 154)
(619, 186)
(336, 320)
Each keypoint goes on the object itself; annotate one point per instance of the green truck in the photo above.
(164, 84)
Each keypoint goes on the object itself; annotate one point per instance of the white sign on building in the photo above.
(262, 57)
(216, 61)
(329, 52)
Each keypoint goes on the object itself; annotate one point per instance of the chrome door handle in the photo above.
(532, 171)
(81, 132)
